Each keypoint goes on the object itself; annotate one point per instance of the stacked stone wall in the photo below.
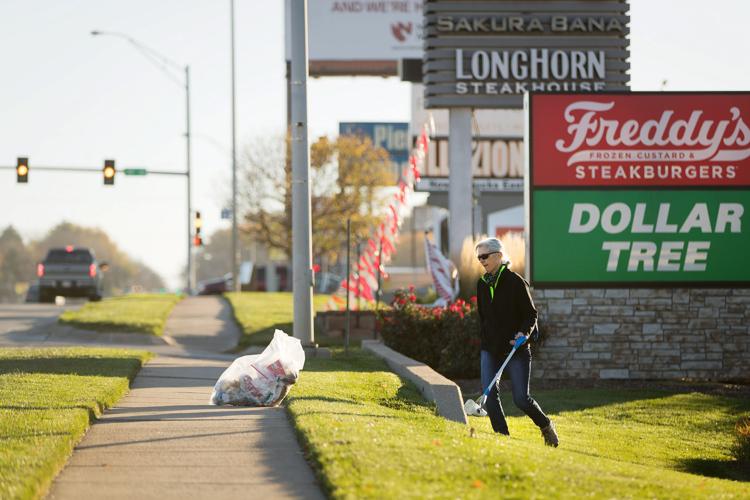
(643, 333)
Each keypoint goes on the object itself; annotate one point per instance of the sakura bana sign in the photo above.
(644, 189)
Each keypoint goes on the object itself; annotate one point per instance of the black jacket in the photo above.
(511, 311)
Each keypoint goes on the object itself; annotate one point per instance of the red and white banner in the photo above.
(640, 139)
(444, 273)
(363, 285)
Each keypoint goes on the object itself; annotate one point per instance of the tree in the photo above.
(16, 264)
(346, 179)
(124, 273)
(213, 260)
(18, 270)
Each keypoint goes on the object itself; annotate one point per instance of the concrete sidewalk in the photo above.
(164, 441)
(203, 323)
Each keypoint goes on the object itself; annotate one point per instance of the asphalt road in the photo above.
(20, 322)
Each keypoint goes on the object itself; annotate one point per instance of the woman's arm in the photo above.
(526, 307)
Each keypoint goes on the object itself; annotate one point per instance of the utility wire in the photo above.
(160, 65)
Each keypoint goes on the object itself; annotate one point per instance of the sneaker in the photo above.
(550, 435)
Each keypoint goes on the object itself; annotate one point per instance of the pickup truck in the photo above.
(69, 272)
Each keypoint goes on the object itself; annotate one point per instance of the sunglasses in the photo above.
(485, 256)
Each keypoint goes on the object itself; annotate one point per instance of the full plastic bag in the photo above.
(262, 379)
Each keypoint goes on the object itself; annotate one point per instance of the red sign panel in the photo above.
(640, 139)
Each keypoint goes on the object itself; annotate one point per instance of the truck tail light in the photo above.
(92, 270)
(40, 270)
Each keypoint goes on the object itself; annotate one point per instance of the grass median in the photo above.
(141, 313)
(260, 313)
(369, 435)
(48, 398)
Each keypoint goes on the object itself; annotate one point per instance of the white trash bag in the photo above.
(262, 379)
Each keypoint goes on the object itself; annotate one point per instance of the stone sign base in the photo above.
(643, 334)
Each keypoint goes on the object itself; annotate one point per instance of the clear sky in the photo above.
(70, 99)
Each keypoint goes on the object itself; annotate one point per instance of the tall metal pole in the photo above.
(380, 285)
(359, 270)
(191, 271)
(460, 181)
(348, 282)
(235, 240)
(302, 274)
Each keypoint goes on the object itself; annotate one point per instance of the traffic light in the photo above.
(22, 170)
(109, 172)
(198, 223)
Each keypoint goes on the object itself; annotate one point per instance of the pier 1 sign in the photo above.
(638, 188)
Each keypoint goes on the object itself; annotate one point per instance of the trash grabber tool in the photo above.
(483, 398)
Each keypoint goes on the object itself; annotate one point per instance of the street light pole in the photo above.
(302, 274)
(235, 261)
(191, 269)
(164, 63)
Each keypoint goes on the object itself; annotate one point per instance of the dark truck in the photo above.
(70, 272)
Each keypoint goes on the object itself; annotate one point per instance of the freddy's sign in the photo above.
(639, 188)
(642, 140)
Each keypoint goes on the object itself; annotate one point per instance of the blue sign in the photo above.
(393, 137)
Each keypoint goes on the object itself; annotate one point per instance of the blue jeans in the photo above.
(518, 369)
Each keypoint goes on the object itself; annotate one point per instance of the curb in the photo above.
(433, 386)
(68, 333)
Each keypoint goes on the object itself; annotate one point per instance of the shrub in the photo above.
(445, 338)
(469, 268)
(515, 246)
(460, 356)
(742, 443)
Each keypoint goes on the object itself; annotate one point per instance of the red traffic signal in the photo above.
(197, 223)
(22, 170)
(109, 172)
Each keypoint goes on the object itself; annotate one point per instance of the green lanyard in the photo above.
(492, 286)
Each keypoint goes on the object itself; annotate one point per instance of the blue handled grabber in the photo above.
(483, 398)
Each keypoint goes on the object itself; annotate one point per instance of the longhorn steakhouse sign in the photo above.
(482, 54)
(638, 189)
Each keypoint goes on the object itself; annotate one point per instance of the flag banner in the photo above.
(443, 272)
(363, 283)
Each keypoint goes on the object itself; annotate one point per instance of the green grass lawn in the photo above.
(260, 313)
(145, 313)
(48, 398)
(369, 435)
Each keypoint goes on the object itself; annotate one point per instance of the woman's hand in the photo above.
(518, 335)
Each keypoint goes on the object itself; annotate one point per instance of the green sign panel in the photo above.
(640, 236)
(135, 171)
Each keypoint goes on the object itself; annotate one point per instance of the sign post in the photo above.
(302, 273)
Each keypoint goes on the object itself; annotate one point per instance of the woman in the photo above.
(506, 312)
